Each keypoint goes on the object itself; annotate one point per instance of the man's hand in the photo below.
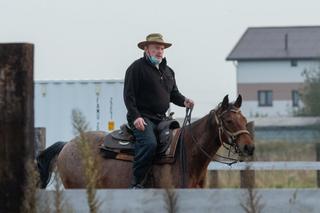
(188, 103)
(139, 123)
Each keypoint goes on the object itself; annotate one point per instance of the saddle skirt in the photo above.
(119, 144)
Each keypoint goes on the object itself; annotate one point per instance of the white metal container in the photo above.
(100, 101)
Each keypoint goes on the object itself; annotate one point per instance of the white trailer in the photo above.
(100, 101)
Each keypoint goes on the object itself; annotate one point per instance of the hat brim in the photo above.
(142, 44)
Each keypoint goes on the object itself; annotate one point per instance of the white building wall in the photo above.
(273, 71)
(279, 108)
(54, 101)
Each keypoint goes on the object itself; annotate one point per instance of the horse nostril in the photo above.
(249, 149)
(252, 150)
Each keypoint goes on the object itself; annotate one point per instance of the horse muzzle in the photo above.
(247, 150)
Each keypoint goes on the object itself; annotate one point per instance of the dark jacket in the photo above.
(148, 90)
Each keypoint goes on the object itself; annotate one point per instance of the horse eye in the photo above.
(229, 121)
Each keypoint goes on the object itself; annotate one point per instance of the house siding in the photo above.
(281, 91)
(273, 71)
(277, 76)
(278, 108)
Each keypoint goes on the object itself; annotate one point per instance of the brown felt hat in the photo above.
(154, 38)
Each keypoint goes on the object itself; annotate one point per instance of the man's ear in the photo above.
(238, 102)
(225, 102)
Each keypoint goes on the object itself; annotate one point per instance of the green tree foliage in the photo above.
(310, 95)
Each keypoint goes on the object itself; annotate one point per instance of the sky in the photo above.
(97, 39)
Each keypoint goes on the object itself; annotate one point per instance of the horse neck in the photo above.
(206, 136)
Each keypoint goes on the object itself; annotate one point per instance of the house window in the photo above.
(265, 97)
(294, 63)
(295, 98)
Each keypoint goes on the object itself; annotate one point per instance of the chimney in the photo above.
(286, 42)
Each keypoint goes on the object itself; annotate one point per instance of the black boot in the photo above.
(136, 186)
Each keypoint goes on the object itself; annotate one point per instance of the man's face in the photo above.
(156, 50)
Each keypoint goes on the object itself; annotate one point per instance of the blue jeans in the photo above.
(145, 150)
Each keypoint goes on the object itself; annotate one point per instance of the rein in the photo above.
(183, 156)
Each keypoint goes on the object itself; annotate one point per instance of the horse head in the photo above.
(233, 127)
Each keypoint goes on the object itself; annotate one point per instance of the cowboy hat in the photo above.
(154, 38)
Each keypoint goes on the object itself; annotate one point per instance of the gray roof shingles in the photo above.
(269, 43)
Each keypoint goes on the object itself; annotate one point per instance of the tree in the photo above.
(310, 94)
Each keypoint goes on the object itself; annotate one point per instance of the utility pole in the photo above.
(16, 122)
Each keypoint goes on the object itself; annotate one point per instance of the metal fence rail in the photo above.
(248, 169)
(267, 165)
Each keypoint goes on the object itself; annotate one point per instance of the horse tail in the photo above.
(45, 160)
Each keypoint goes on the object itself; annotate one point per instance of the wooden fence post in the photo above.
(318, 159)
(16, 122)
(212, 179)
(40, 140)
(247, 177)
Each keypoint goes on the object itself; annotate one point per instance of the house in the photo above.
(269, 63)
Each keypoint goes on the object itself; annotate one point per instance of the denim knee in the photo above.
(151, 146)
(146, 141)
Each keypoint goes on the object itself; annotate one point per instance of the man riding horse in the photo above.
(149, 87)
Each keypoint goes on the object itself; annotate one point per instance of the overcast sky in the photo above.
(97, 39)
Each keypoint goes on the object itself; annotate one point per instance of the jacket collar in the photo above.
(162, 65)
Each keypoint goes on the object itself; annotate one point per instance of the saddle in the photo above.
(119, 144)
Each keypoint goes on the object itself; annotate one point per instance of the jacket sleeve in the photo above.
(130, 90)
(175, 96)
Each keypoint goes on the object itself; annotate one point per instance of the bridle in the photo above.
(222, 129)
(232, 136)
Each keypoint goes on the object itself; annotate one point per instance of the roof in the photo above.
(275, 43)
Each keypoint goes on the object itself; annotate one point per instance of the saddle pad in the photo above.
(111, 143)
(122, 134)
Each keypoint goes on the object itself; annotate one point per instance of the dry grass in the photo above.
(60, 204)
(44, 203)
(253, 202)
(277, 151)
(285, 151)
(90, 164)
(33, 202)
(30, 190)
(171, 198)
(271, 179)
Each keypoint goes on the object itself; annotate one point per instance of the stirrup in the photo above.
(137, 186)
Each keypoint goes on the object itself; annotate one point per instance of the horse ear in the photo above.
(225, 102)
(238, 102)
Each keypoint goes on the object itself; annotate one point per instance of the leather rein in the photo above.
(232, 136)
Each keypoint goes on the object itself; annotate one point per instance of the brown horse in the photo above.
(201, 141)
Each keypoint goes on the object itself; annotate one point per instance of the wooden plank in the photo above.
(16, 122)
(40, 140)
(318, 159)
(247, 177)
